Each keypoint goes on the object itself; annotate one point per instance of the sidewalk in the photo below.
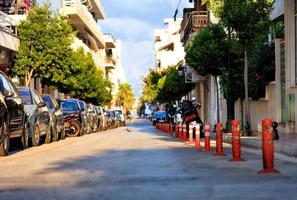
(287, 144)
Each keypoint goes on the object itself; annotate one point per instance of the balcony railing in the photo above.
(192, 22)
(110, 62)
(7, 24)
(85, 19)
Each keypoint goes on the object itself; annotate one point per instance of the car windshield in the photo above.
(48, 101)
(82, 105)
(26, 96)
(69, 105)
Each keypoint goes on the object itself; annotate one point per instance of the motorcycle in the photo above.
(189, 113)
(72, 125)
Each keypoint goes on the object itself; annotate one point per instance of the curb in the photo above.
(256, 143)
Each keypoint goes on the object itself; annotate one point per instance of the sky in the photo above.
(134, 22)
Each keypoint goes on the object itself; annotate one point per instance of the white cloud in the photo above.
(138, 57)
(146, 5)
(128, 28)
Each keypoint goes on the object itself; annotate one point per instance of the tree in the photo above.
(246, 18)
(207, 54)
(127, 96)
(85, 81)
(45, 50)
(172, 87)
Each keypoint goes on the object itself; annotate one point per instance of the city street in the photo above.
(138, 162)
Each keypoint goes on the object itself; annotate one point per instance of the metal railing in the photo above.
(192, 22)
(7, 24)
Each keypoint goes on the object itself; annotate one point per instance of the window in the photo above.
(69, 105)
(36, 98)
(26, 96)
(4, 85)
(48, 102)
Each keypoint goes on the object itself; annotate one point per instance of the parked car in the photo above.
(13, 124)
(85, 114)
(110, 119)
(57, 125)
(38, 115)
(159, 116)
(120, 114)
(74, 121)
(95, 117)
(102, 118)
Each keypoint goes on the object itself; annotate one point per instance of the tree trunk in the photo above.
(28, 77)
(230, 95)
(218, 103)
(246, 94)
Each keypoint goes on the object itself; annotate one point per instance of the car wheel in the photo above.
(74, 129)
(54, 133)
(48, 136)
(35, 135)
(4, 145)
(25, 137)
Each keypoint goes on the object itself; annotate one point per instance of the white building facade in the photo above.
(167, 46)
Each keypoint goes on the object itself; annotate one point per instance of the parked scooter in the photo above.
(190, 114)
(72, 125)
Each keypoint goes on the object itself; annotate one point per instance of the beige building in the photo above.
(205, 91)
(167, 46)
(113, 66)
(104, 48)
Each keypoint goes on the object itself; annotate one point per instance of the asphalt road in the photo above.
(138, 162)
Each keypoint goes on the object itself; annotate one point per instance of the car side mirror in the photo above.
(41, 104)
(8, 93)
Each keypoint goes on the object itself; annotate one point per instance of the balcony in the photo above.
(110, 62)
(83, 21)
(8, 33)
(193, 21)
(109, 40)
(97, 9)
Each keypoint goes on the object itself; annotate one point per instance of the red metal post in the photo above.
(207, 137)
(191, 141)
(236, 141)
(219, 140)
(267, 148)
(197, 136)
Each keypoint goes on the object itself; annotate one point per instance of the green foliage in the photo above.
(85, 81)
(172, 87)
(207, 54)
(164, 86)
(126, 95)
(247, 18)
(262, 68)
(45, 46)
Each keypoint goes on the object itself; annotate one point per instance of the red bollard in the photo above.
(236, 141)
(207, 137)
(197, 136)
(191, 141)
(180, 136)
(267, 148)
(176, 130)
(184, 133)
(219, 139)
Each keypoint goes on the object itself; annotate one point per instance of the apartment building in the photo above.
(194, 19)
(167, 46)
(83, 16)
(113, 66)
(9, 42)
